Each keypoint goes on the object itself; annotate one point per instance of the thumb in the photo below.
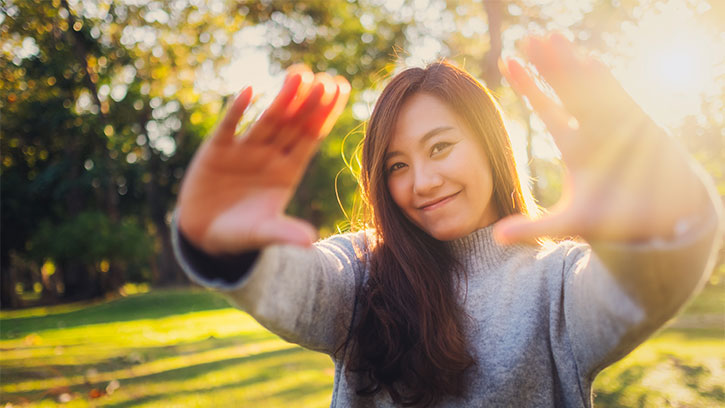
(287, 230)
(520, 228)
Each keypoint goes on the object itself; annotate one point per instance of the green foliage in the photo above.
(104, 102)
(90, 238)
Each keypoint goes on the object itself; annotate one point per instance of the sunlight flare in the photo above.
(670, 62)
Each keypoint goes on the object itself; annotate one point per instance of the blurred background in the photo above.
(103, 103)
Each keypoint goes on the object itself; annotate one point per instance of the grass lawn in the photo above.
(189, 348)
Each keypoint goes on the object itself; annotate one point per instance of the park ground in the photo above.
(189, 348)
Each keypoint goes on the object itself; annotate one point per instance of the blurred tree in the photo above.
(99, 109)
(103, 109)
(104, 102)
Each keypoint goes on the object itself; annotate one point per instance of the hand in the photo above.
(627, 180)
(236, 189)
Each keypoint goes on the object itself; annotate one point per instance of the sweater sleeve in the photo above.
(304, 295)
(229, 268)
(617, 295)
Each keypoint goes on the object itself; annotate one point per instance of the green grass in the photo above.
(188, 348)
(166, 348)
(681, 366)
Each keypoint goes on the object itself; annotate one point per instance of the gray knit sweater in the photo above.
(544, 319)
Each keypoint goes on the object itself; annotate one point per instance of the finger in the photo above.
(322, 121)
(556, 60)
(268, 123)
(503, 67)
(305, 87)
(301, 151)
(519, 228)
(585, 87)
(559, 122)
(320, 94)
(295, 126)
(225, 132)
(338, 107)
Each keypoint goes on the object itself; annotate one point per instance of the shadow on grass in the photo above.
(696, 377)
(292, 395)
(626, 379)
(267, 373)
(153, 305)
(630, 384)
(200, 369)
(126, 357)
(187, 372)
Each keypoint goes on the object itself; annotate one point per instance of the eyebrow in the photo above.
(429, 134)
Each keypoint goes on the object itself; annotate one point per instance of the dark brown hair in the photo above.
(409, 339)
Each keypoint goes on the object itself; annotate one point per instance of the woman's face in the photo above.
(437, 172)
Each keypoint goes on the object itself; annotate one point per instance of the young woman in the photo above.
(447, 300)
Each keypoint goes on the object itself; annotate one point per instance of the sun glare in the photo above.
(680, 67)
(669, 62)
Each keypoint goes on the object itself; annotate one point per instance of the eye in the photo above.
(395, 167)
(439, 147)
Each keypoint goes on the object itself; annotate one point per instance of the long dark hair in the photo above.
(409, 339)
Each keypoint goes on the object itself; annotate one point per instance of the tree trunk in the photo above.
(115, 276)
(167, 269)
(90, 78)
(79, 283)
(494, 14)
(8, 298)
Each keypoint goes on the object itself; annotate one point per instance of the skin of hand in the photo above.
(627, 180)
(236, 188)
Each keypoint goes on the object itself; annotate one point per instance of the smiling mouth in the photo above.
(438, 203)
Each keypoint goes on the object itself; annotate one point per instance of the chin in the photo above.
(447, 234)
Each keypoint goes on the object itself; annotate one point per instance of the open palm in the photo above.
(236, 189)
(627, 179)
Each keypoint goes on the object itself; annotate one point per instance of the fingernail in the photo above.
(327, 81)
(298, 68)
(244, 96)
(514, 68)
(291, 77)
(343, 84)
(307, 76)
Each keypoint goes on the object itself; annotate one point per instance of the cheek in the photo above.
(398, 191)
(480, 176)
(486, 183)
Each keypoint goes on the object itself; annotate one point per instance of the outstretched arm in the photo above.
(231, 214)
(236, 189)
(650, 214)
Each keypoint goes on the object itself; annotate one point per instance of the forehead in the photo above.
(419, 114)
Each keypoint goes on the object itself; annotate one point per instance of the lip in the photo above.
(437, 203)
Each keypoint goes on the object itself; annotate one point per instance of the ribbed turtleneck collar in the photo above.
(479, 248)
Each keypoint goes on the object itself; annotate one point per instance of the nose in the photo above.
(427, 180)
